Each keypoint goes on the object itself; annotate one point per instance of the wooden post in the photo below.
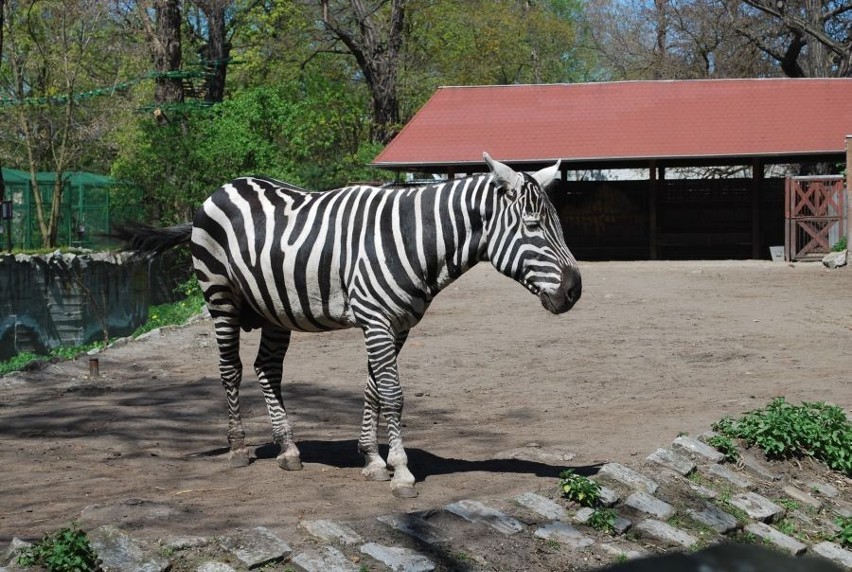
(756, 190)
(848, 192)
(652, 209)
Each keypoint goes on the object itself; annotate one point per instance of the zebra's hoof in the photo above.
(238, 458)
(376, 473)
(290, 463)
(404, 492)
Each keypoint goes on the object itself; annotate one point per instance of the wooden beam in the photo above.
(848, 193)
(756, 191)
(653, 187)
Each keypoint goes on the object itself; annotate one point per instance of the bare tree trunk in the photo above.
(217, 49)
(375, 45)
(164, 37)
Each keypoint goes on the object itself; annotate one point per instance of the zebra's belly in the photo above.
(305, 310)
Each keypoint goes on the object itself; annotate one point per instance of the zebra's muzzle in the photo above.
(563, 298)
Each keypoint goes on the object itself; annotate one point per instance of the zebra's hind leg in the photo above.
(382, 350)
(268, 366)
(231, 371)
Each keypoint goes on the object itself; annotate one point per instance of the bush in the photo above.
(579, 489)
(67, 550)
(783, 430)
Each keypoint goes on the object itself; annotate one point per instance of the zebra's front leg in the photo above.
(375, 468)
(382, 352)
(268, 366)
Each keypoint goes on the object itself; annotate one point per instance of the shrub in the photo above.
(783, 430)
(579, 489)
(67, 550)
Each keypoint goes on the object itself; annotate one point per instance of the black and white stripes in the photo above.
(276, 257)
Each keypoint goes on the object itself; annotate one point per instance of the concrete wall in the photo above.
(55, 300)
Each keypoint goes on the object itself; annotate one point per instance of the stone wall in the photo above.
(47, 301)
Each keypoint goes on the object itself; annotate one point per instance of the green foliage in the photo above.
(176, 312)
(842, 244)
(844, 536)
(603, 519)
(784, 430)
(725, 446)
(24, 359)
(579, 489)
(67, 550)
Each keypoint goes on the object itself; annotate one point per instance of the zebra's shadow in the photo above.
(344, 454)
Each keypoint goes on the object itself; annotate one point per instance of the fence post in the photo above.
(848, 192)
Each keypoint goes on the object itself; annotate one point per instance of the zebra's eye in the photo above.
(532, 220)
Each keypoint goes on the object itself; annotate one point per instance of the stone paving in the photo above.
(680, 498)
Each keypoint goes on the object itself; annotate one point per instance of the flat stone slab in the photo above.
(834, 553)
(824, 489)
(326, 559)
(693, 446)
(727, 474)
(643, 502)
(758, 469)
(714, 517)
(215, 567)
(757, 507)
(666, 533)
(414, 526)
(256, 547)
(120, 553)
(476, 512)
(564, 533)
(619, 552)
(629, 477)
(556, 456)
(542, 506)
(703, 492)
(398, 559)
(671, 460)
(802, 497)
(608, 496)
(332, 531)
(776, 537)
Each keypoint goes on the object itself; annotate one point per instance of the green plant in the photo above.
(176, 312)
(789, 504)
(784, 430)
(725, 446)
(579, 489)
(840, 245)
(844, 536)
(603, 519)
(66, 550)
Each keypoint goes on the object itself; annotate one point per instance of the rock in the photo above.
(564, 534)
(666, 533)
(620, 526)
(671, 460)
(727, 474)
(256, 547)
(643, 502)
(398, 559)
(215, 567)
(621, 553)
(477, 512)
(835, 259)
(802, 497)
(608, 496)
(11, 553)
(696, 447)
(414, 526)
(326, 559)
(118, 552)
(824, 489)
(776, 537)
(834, 553)
(758, 469)
(556, 456)
(714, 517)
(542, 506)
(628, 477)
(332, 531)
(757, 507)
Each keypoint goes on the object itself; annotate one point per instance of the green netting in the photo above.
(88, 206)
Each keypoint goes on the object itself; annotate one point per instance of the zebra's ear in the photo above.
(548, 179)
(506, 177)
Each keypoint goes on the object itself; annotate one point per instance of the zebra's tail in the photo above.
(146, 238)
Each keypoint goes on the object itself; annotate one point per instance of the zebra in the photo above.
(270, 255)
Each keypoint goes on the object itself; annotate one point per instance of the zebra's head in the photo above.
(525, 240)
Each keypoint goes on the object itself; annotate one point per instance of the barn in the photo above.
(656, 169)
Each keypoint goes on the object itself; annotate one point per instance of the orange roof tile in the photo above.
(626, 121)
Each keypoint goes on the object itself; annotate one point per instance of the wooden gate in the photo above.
(814, 209)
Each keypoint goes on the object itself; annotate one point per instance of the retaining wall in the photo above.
(47, 301)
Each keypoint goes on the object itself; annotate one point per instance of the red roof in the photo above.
(626, 121)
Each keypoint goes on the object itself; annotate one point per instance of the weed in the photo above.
(844, 536)
(725, 446)
(783, 430)
(789, 504)
(67, 550)
(176, 312)
(579, 489)
(621, 558)
(603, 519)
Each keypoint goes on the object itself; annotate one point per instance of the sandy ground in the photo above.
(651, 350)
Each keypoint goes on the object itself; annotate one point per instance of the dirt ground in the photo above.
(651, 350)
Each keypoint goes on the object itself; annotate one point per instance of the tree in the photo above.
(807, 38)
(58, 50)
